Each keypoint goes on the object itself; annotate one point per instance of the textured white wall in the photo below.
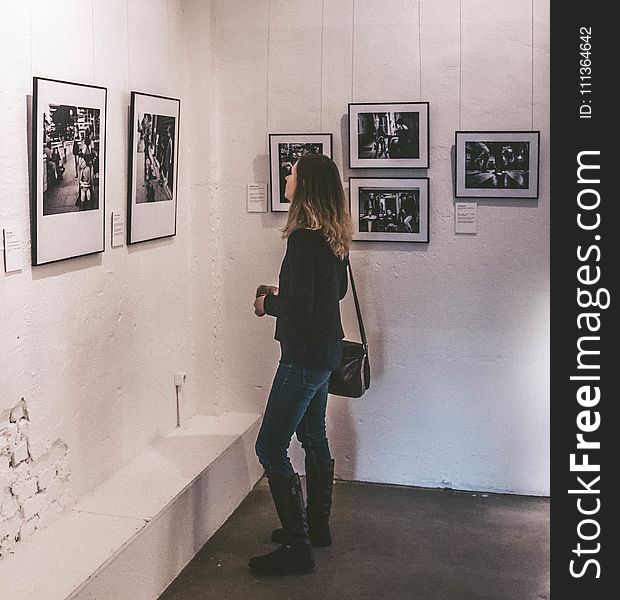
(458, 328)
(92, 343)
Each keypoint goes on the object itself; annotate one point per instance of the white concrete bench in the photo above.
(132, 535)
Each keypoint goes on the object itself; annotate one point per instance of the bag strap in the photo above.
(357, 305)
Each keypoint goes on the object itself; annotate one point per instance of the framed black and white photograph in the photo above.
(285, 149)
(389, 209)
(68, 149)
(497, 164)
(389, 135)
(153, 169)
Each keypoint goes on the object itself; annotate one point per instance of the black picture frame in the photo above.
(389, 135)
(67, 208)
(497, 164)
(390, 209)
(284, 150)
(153, 167)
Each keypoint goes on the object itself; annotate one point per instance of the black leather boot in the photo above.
(296, 555)
(320, 486)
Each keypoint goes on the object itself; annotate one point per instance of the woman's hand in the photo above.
(262, 290)
(259, 302)
(259, 305)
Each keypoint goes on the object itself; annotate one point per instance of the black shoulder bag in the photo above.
(352, 379)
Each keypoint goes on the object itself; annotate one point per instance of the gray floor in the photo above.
(390, 542)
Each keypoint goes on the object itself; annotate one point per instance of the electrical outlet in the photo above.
(180, 377)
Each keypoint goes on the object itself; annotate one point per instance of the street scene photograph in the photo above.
(70, 173)
(497, 165)
(383, 135)
(389, 210)
(154, 162)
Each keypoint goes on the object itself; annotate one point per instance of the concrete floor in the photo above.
(390, 542)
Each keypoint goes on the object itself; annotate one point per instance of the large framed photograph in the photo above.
(389, 209)
(68, 150)
(285, 149)
(497, 164)
(389, 135)
(153, 168)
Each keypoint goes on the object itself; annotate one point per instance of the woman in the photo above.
(87, 150)
(76, 153)
(166, 159)
(60, 169)
(86, 184)
(313, 280)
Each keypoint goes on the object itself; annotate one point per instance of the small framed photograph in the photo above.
(284, 151)
(497, 164)
(390, 135)
(153, 169)
(389, 209)
(68, 149)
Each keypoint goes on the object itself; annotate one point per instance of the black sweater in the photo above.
(312, 282)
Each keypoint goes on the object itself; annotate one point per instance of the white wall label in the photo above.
(257, 197)
(118, 229)
(12, 251)
(466, 217)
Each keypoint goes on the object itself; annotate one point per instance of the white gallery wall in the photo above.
(458, 328)
(92, 343)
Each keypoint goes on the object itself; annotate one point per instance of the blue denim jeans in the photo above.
(297, 404)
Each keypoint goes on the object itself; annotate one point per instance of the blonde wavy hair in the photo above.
(319, 204)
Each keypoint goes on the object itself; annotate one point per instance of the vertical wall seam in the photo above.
(352, 50)
(127, 46)
(532, 125)
(322, 53)
(460, 63)
(214, 188)
(169, 54)
(30, 32)
(267, 72)
(420, 43)
(92, 20)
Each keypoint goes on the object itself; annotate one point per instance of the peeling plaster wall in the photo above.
(32, 492)
(92, 343)
(458, 328)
